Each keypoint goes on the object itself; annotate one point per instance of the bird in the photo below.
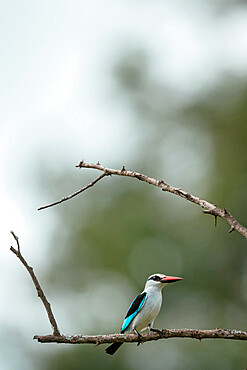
(144, 309)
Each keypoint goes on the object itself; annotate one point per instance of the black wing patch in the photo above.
(135, 305)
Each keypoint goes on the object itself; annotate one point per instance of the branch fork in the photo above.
(39, 290)
(208, 208)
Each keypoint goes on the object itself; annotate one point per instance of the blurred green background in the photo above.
(103, 244)
(114, 236)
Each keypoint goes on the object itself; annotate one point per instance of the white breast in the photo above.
(149, 311)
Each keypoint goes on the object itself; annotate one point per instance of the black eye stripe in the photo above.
(155, 278)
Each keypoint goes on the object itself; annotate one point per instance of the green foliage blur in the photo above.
(109, 239)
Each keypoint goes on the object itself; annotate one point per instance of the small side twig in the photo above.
(147, 337)
(211, 212)
(40, 291)
(231, 229)
(75, 193)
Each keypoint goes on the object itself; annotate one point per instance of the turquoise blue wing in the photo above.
(135, 307)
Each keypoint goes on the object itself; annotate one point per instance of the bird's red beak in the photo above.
(170, 279)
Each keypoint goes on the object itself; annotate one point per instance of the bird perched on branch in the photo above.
(144, 309)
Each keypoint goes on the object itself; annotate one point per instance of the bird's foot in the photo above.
(139, 337)
(160, 332)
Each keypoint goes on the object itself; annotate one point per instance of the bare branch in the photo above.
(76, 193)
(166, 333)
(208, 208)
(111, 338)
(40, 292)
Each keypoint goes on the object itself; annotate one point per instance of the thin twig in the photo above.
(40, 292)
(208, 208)
(75, 193)
(166, 333)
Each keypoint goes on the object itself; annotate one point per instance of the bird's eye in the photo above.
(156, 278)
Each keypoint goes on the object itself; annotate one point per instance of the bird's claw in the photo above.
(160, 332)
(139, 339)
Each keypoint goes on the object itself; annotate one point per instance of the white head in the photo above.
(160, 280)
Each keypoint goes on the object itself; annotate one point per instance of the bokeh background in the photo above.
(157, 86)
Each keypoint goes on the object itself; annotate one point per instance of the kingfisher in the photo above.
(144, 309)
